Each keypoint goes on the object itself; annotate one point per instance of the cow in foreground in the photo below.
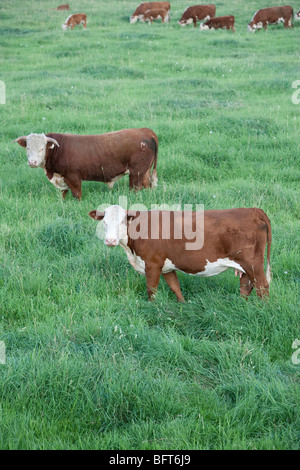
(143, 7)
(74, 20)
(69, 159)
(219, 22)
(158, 14)
(155, 244)
(197, 13)
(273, 15)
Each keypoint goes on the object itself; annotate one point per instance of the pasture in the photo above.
(90, 363)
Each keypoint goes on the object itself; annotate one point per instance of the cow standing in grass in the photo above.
(143, 7)
(158, 14)
(163, 242)
(197, 13)
(273, 15)
(74, 20)
(219, 22)
(69, 159)
(66, 6)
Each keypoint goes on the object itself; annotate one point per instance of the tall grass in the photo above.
(90, 363)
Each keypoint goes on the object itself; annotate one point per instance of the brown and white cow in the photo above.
(143, 7)
(273, 15)
(219, 22)
(161, 242)
(157, 14)
(66, 6)
(74, 20)
(69, 159)
(197, 13)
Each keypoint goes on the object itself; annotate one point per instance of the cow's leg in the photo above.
(152, 272)
(146, 179)
(74, 183)
(246, 285)
(172, 281)
(259, 281)
(195, 21)
(64, 193)
(287, 23)
(135, 181)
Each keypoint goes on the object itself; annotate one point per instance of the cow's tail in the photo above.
(154, 179)
(263, 216)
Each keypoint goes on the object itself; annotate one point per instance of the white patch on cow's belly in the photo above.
(211, 268)
(116, 178)
(219, 266)
(280, 20)
(58, 181)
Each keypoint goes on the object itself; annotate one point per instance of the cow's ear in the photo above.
(21, 141)
(96, 215)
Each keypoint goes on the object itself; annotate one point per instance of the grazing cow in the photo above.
(69, 159)
(74, 20)
(219, 22)
(158, 14)
(297, 15)
(272, 15)
(233, 238)
(143, 7)
(197, 13)
(66, 6)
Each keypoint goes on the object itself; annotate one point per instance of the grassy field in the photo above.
(90, 363)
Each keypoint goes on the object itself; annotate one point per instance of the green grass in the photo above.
(90, 362)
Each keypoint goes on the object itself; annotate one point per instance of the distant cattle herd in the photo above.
(234, 238)
(147, 12)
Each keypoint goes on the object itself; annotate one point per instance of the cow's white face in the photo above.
(115, 225)
(203, 27)
(297, 15)
(250, 28)
(133, 19)
(36, 147)
(64, 27)
(36, 150)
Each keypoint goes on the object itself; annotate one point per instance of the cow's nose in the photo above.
(110, 242)
(32, 163)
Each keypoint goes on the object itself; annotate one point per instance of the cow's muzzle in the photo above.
(33, 163)
(111, 242)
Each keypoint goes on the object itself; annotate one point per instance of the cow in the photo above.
(219, 22)
(154, 244)
(66, 6)
(69, 159)
(272, 15)
(297, 15)
(74, 20)
(157, 14)
(143, 7)
(197, 13)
